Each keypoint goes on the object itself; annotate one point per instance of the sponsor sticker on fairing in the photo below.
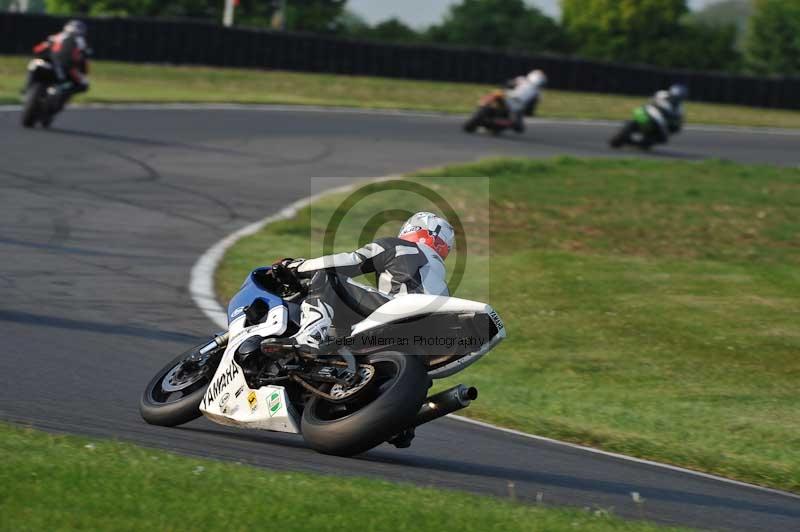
(274, 403)
(252, 400)
(496, 319)
(216, 387)
(224, 400)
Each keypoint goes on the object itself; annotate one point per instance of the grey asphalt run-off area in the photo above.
(103, 217)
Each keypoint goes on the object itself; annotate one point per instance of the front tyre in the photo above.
(624, 135)
(476, 120)
(173, 396)
(30, 106)
(401, 384)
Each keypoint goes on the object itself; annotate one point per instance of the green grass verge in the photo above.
(122, 82)
(652, 307)
(54, 483)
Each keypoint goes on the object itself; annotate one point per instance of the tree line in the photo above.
(662, 33)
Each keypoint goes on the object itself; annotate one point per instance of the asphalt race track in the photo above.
(102, 218)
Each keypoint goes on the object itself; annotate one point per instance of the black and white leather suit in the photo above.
(667, 115)
(400, 267)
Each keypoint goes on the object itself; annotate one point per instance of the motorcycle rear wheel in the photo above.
(345, 430)
(30, 106)
(173, 396)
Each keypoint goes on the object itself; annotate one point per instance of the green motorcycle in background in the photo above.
(653, 122)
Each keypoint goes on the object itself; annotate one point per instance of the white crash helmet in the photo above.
(537, 77)
(678, 92)
(431, 230)
(663, 96)
(75, 27)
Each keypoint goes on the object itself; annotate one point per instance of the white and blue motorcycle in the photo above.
(345, 398)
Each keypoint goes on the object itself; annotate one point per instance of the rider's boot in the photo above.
(316, 322)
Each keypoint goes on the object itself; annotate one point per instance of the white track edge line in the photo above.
(388, 112)
(201, 288)
(625, 457)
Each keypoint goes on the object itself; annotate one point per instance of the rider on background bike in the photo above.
(68, 52)
(411, 263)
(666, 110)
(522, 94)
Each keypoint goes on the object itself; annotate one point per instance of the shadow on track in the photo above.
(600, 147)
(28, 318)
(660, 154)
(72, 250)
(578, 483)
(623, 489)
(144, 141)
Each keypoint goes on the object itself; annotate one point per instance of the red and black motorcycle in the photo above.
(492, 114)
(41, 100)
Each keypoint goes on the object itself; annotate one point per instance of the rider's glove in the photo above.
(286, 269)
(288, 264)
(285, 272)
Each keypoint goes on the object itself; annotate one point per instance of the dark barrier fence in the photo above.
(192, 42)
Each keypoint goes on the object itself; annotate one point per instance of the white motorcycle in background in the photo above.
(346, 398)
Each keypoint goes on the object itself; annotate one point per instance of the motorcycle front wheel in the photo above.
(30, 106)
(173, 396)
(46, 120)
(475, 121)
(624, 135)
(400, 386)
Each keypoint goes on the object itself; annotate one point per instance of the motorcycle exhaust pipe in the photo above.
(445, 402)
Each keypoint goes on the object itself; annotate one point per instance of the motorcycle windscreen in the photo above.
(252, 290)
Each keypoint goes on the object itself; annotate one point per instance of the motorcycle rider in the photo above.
(666, 110)
(411, 263)
(68, 52)
(522, 95)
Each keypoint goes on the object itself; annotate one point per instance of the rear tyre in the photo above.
(30, 106)
(173, 396)
(349, 429)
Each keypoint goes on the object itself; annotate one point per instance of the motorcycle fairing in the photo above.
(640, 116)
(42, 71)
(496, 98)
(411, 305)
(230, 401)
(424, 306)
